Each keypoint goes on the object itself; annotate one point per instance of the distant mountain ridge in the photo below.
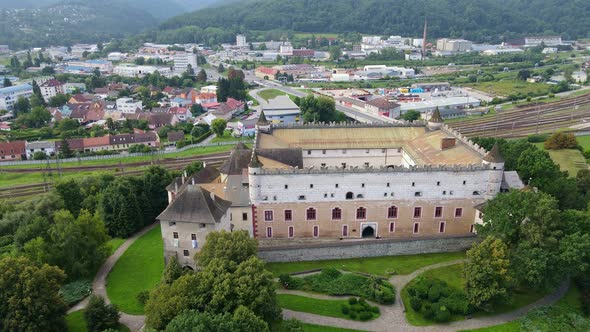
(479, 20)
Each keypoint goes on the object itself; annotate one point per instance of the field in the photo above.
(584, 141)
(373, 265)
(139, 269)
(75, 322)
(270, 94)
(506, 88)
(570, 160)
(330, 308)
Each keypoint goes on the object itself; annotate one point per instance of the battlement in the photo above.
(453, 132)
(315, 125)
(370, 169)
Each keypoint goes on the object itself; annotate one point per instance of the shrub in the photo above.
(289, 282)
(345, 309)
(353, 315)
(352, 300)
(441, 313)
(537, 138)
(375, 310)
(143, 297)
(365, 315)
(561, 141)
(434, 293)
(100, 316)
(331, 273)
(356, 307)
(75, 291)
(415, 303)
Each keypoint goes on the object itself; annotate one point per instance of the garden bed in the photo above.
(334, 282)
(352, 309)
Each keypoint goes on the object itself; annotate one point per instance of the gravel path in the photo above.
(393, 318)
(134, 323)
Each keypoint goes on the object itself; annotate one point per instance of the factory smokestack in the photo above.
(424, 39)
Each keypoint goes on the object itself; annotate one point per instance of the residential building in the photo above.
(130, 70)
(9, 95)
(51, 88)
(241, 41)
(128, 105)
(182, 113)
(246, 127)
(182, 60)
(12, 150)
(47, 147)
(282, 109)
(301, 185)
(382, 107)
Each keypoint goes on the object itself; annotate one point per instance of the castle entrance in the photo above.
(368, 231)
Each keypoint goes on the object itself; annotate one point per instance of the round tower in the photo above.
(254, 168)
(495, 161)
(262, 125)
(435, 121)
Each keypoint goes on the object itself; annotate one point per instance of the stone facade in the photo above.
(367, 248)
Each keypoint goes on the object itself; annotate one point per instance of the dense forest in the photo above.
(478, 20)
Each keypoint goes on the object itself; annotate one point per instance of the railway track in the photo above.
(526, 120)
(21, 192)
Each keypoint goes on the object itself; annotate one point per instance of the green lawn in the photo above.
(114, 244)
(372, 265)
(139, 269)
(321, 328)
(271, 93)
(584, 141)
(571, 299)
(330, 308)
(453, 275)
(570, 160)
(75, 322)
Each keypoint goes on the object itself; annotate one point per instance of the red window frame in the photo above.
(391, 227)
(269, 232)
(442, 227)
(310, 214)
(417, 212)
(268, 215)
(316, 231)
(336, 213)
(392, 212)
(416, 228)
(458, 212)
(438, 211)
(344, 230)
(291, 232)
(288, 215)
(361, 213)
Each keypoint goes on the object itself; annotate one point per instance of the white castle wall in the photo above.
(352, 157)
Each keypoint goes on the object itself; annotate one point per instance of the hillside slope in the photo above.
(478, 20)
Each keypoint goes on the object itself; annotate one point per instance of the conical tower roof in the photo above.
(262, 119)
(436, 118)
(254, 162)
(494, 156)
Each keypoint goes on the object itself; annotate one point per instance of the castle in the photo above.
(326, 183)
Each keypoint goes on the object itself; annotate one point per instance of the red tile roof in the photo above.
(15, 148)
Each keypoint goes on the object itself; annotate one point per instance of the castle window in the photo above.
(185, 253)
(286, 186)
(476, 193)
(343, 165)
(336, 185)
(291, 232)
(458, 212)
(268, 216)
(244, 216)
(344, 151)
(336, 214)
(325, 195)
(311, 186)
(417, 212)
(332, 195)
(302, 197)
(361, 213)
(418, 194)
(438, 211)
(392, 212)
(269, 232)
(193, 237)
(387, 184)
(288, 215)
(344, 230)
(316, 231)
(391, 227)
(359, 196)
(310, 214)
(323, 151)
(349, 195)
(441, 227)
(450, 192)
(438, 183)
(172, 223)
(416, 227)
(464, 182)
(366, 164)
(444, 192)
(472, 229)
(308, 152)
(413, 184)
(384, 194)
(362, 185)
(175, 235)
(323, 164)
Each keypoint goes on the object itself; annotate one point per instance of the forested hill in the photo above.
(479, 20)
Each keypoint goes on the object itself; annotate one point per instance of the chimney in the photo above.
(212, 196)
(175, 187)
(447, 143)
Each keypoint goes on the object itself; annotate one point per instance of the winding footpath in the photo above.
(392, 316)
(99, 284)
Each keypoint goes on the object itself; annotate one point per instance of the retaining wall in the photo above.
(369, 248)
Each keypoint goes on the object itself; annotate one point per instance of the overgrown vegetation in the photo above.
(435, 300)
